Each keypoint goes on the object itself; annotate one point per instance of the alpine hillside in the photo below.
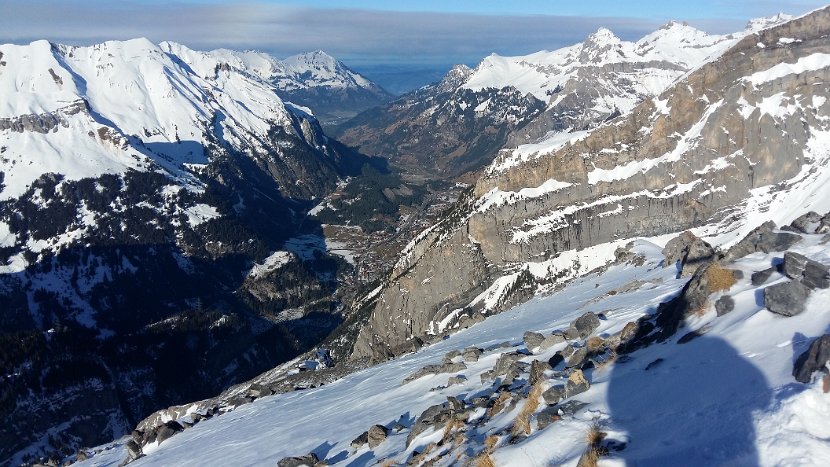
(738, 141)
(153, 241)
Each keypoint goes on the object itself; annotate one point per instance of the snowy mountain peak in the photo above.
(454, 78)
(757, 24)
(602, 37)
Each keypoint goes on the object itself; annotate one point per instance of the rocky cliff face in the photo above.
(737, 139)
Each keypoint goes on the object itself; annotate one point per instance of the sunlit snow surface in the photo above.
(740, 370)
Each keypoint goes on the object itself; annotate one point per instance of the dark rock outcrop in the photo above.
(786, 298)
(814, 359)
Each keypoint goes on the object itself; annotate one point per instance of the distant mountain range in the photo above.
(460, 123)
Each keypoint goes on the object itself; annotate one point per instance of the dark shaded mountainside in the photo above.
(149, 254)
(441, 131)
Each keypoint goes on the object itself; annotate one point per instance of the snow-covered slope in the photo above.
(727, 396)
(316, 80)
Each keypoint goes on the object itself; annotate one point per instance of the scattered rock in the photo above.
(452, 354)
(432, 416)
(436, 369)
(811, 274)
(533, 339)
(309, 460)
(687, 252)
(570, 408)
(807, 223)
(576, 384)
(550, 341)
(362, 439)
(814, 359)
(471, 354)
(505, 360)
(567, 351)
(554, 394)
(571, 334)
(724, 305)
(556, 360)
(547, 416)
(376, 435)
(760, 277)
(787, 298)
(167, 430)
(133, 450)
(258, 390)
(577, 358)
(585, 324)
(458, 379)
(763, 238)
(537, 371)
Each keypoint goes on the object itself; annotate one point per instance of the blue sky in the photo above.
(371, 34)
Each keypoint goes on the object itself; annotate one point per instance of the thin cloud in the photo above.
(365, 36)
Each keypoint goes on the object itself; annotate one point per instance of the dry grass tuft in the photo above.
(490, 443)
(485, 459)
(719, 278)
(594, 451)
(594, 343)
(522, 424)
(453, 425)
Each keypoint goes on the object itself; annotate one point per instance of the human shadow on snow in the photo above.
(693, 408)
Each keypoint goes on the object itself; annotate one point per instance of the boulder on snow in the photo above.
(764, 238)
(133, 450)
(167, 430)
(433, 416)
(812, 274)
(547, 416)
(457, 379)
(550, 341)
(787, 298)
(814, 359)
(505, 361)
(724, 305)
(577, 384)
(687, 252)
(809, 223)
(585, 324)
(533, 339)
(435, 370)
(471, 354)
(577, 358)
(760, 277)
(554, 394)
(376, 435)
(362, 439)
(309, 460)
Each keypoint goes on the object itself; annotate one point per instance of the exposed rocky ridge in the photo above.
(685, 159)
